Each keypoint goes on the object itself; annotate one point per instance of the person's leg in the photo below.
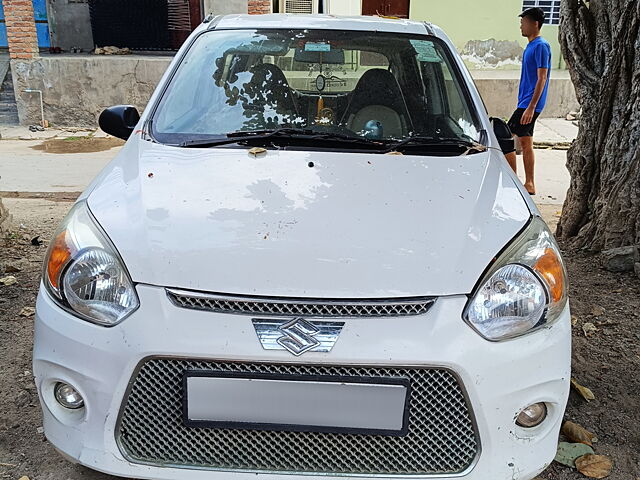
(512, 159)
(529, 163)
(514, 126)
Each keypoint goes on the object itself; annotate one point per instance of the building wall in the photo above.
(499, 91)
(345, 7)
(257, 7)
(466, 21)
(335, 7)
(70, 24)
(21, 29)
(76, 88)
(224, 7)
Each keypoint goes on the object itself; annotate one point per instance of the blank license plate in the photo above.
(296, 403)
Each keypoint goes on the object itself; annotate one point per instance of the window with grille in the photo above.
(551, 9)
(179, 15)
(301, 6)
(298, 6)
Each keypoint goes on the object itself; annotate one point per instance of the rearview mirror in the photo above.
(119, 121)
(504, 135)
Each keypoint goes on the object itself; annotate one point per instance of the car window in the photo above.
(339, 77)
(371, 84)
(450, 95)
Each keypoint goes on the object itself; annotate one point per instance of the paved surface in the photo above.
(555, 130)
(23, 169)
(552, 176)
(16, 132)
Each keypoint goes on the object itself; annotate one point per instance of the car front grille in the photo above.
(441, 438)
(300, 307)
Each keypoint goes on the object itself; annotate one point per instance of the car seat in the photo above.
(378, 97)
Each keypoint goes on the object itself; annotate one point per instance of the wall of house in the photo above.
(499, 90)
(257, 7)
(481, 21)
(21, 29)
(345, 7)
(76, 88)
(70, 24)
(224, 7)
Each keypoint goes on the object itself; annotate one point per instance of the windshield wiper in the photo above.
(237, 137)
(288, 135)
(436, 142)
(280, 133)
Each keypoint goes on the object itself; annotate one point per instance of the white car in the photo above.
(310, 259)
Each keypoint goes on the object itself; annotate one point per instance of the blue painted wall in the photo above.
(3, 28)
(42, 25)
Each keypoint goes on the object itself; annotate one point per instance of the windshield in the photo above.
(371, 85)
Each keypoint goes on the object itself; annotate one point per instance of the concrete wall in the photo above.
(70, 24)
(499, 90)
(345, 7)
(224, 7)
(76, 88)
(472, 21)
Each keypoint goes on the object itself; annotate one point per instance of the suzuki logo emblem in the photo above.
(298, 336)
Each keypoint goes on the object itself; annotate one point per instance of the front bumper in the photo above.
(499, 378)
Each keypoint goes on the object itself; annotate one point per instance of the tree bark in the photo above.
(4, 217)
(600, 42)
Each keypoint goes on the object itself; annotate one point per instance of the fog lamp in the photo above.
(67, 396)
(532, 416)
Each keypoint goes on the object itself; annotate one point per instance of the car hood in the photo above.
(307, 224)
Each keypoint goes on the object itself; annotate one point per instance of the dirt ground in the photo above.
(607, 362)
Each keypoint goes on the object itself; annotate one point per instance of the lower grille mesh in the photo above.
(441, 436)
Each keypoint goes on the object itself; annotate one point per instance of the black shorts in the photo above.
(517, 128)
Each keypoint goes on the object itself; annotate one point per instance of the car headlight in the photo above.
(524, 288)
(85, 275)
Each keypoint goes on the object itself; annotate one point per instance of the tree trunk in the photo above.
(600, 42)
(4, 217)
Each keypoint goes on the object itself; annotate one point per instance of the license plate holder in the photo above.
(296, 403)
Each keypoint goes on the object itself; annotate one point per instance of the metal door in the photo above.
(391, 8)
(183, 17)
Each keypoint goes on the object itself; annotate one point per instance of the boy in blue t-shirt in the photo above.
(534, 84)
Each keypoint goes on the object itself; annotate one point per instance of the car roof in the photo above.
(321, 22)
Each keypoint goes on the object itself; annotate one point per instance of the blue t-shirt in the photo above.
(536, 55)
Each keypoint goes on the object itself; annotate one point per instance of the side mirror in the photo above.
(119, 121)
(504, 135)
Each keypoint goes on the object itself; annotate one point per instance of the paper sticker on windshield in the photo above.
(317, 47)
(426, 51)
